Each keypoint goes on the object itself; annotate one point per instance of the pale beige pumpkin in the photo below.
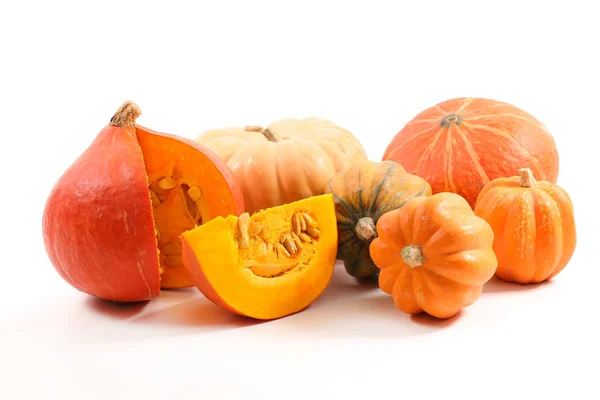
(290, 160)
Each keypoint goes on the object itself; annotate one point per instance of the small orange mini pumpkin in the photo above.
(435, 255)
(534, 226)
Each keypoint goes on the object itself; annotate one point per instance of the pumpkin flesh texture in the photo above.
(259, 279)
(534, 228)
(456, 253)
(295, 163)
(189, 165)
(369, 190)
(461, 144)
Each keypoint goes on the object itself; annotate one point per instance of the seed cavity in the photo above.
(273, 252)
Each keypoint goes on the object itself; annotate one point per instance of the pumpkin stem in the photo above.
(126, 115)
(271, 136)
(412, 255)
(526, 178)
(365, 229)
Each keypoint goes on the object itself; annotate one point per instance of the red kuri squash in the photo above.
(460, 145)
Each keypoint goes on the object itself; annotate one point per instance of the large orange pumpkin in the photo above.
(290, 160)
(461, 144)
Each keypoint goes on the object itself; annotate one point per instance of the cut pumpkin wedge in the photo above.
(268, 265)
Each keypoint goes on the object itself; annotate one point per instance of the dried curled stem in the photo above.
(126, 115)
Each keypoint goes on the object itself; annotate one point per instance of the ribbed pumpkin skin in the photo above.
(290, 160)
(435, 255)
(368, 190)
(459, 145)
(534, 227)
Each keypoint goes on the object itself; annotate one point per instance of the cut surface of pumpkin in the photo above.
(268, 265)
(186, 188)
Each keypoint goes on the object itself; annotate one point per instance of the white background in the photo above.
(370, 67)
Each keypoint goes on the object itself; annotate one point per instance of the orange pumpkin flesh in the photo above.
(200, 193)
(435, 255)
(102, 224)
(267, 265)
(534, 226)
(459, 145)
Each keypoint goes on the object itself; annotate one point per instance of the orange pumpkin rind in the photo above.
(460, 144)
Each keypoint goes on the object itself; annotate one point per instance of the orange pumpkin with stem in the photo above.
(112, 222)
(534, 226)
(435, 255)
(459, 145)
(290, 160)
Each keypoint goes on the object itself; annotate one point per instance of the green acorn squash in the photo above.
(361, 195)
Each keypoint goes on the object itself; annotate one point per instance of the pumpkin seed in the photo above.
(173, 261)
(309, 221)
(171, 249)
(255, 228)
(290, 246)
(167, 183)
(304, 237)
(243, 224)
(281, 249)
(313, 232)
(195, 193)
(296, 225)
(297, 241)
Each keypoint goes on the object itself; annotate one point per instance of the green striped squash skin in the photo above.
(362, 194)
